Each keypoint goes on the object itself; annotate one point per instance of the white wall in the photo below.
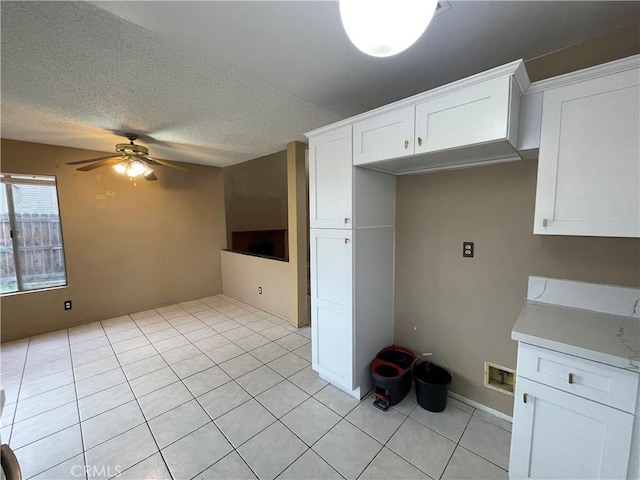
(242, 275)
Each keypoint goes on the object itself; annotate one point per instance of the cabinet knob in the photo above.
(346, 220)
(571, 378)
(544, 222)
(406, 144)
(420, 141)
(524, 398)
(346, 240)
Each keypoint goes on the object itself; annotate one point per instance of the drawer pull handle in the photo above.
(545, 222)
(346, 240)
(524, 398)
(419, 141)
(406, 144)
(346, 220)
(571, 378)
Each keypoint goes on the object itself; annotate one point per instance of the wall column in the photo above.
(298, 233)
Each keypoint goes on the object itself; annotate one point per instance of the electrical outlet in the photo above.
(67, 304)
(467, 249)
(259, 290)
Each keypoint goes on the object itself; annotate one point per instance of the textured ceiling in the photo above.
(218, 83)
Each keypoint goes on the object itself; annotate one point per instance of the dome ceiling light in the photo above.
(382, 28)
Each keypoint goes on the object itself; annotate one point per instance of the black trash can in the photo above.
(432, 386)
(391, 375)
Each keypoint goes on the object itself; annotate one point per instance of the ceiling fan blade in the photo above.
(102, 163)
(151, 176)
(144, 159)
(78, 162)
(164, 163)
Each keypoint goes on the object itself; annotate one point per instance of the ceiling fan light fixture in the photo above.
(382, 28)
(132, 168)
(121, 167)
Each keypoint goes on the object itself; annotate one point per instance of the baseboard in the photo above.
(482, 408)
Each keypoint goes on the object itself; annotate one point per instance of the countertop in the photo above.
(601, 337)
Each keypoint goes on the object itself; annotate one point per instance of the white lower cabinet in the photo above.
(577, 424)
(351, 303)
(557, 435)
(331, 303)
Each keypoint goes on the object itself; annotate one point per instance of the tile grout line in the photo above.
(343, 417)
(146, 422)
(471, 451)
(494, 424)
(287, 378)
(485, 459)
(53, 433)
(194, 397)
(456, 447)
(75, 389)
(234, 449)
(24, 369)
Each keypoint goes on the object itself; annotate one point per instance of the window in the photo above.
(31, 253)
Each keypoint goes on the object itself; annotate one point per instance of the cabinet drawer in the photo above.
(605, 384)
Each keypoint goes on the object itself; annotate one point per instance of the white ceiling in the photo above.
(218, 83)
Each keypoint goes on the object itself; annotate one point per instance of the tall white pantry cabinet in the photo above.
(352, 220)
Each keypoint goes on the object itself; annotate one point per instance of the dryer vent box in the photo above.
(499, 378)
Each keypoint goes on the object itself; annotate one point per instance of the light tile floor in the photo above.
(215, 388)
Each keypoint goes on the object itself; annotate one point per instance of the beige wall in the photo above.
(465, 308)
(152, 244)
(243, 274)
(256, 194)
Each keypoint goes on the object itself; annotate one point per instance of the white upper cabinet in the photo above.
(330, 191)
(476, 114)
(589, 158)
(469, 121)
(387, 135)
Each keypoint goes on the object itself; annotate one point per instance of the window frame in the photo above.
(9, 179)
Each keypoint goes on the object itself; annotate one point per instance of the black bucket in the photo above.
(391, 375)
(432, 386)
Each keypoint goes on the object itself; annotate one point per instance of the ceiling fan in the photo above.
(134, 160)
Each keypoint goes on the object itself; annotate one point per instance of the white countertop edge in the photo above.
(620, 362)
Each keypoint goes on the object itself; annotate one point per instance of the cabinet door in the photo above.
(557, 435)
(384, 136)
(330, 188)
(589, 160)
(331, 305)
(476, 114)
